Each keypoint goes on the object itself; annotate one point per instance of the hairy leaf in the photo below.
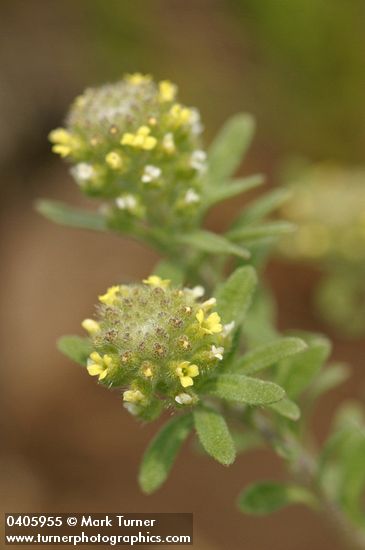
(212, 243)
(286, 408)
(214, 435)
(76, 348)
(268, 496)
(241, 388)
(253, 233)
(235, 295)
(268, 354)
(261, 207)
(230, 189)
(295, 373)
(162, 451)
(227, 150)
(63, 214)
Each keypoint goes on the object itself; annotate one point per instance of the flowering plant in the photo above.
(217, 362)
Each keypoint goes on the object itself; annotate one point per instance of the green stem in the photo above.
(304, 470)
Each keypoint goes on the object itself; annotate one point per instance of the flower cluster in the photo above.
(156, 342)
(328, 205)
(132, 143)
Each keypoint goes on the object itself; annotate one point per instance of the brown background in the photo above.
(67, 445)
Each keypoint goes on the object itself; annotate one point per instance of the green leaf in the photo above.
(286, 408)
(328, 379)
(76, 348)
(230, 189)
(251, 233)
(296, 373)
(235, 295)
(268, 354)
(241, 388)
(206, 241)
(266, 497)
(162, 451)
(261, 207)
(63, 214)
(168, 270)
(227, 151)
(341, 466)
(214, 435)
(260, 325)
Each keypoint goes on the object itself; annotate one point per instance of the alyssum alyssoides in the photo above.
(156, 342)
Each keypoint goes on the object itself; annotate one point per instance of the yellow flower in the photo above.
(186, 372)
(133, 396)
(110, 296)
(138, 78)
(210, 324)
(64, 141)
(140, 140)
(98, 365)
(114, 160)
(91, 326)
(155, 281)
(179, 115)
(167, 91)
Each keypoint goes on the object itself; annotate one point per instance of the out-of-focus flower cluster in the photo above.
(133, 143)
(156, 342)
(328, 206)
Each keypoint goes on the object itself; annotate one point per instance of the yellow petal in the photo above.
(193, 370)
(90, 326)
(186, 381)
(200, 316)
(103, 374)
(94, 356)
(95, 370)
(107, 360)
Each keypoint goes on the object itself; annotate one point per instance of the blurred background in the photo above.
(299, 67)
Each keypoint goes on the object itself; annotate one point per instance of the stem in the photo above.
(304, 471)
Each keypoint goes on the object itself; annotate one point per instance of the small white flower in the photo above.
(196, 292)
(168, 143)
(198, 160)
(191, 197)
(196, 125)
(82, 171)
(150, 173)
(132, 408)
(217, 352)
(184, 399)
(127, 202)
(209, 303)
(227, 329)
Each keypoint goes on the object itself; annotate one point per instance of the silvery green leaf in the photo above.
(227, 150)
(251, 234)
(230, 189)
(286, 408)
(234, 296)
(214, 435)
(266, 355)
(268, 496)
(76, 348)
(63, 214)
(162, 451)
(206, 241)
(295, 373)
(244, 389)
(261, 207)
